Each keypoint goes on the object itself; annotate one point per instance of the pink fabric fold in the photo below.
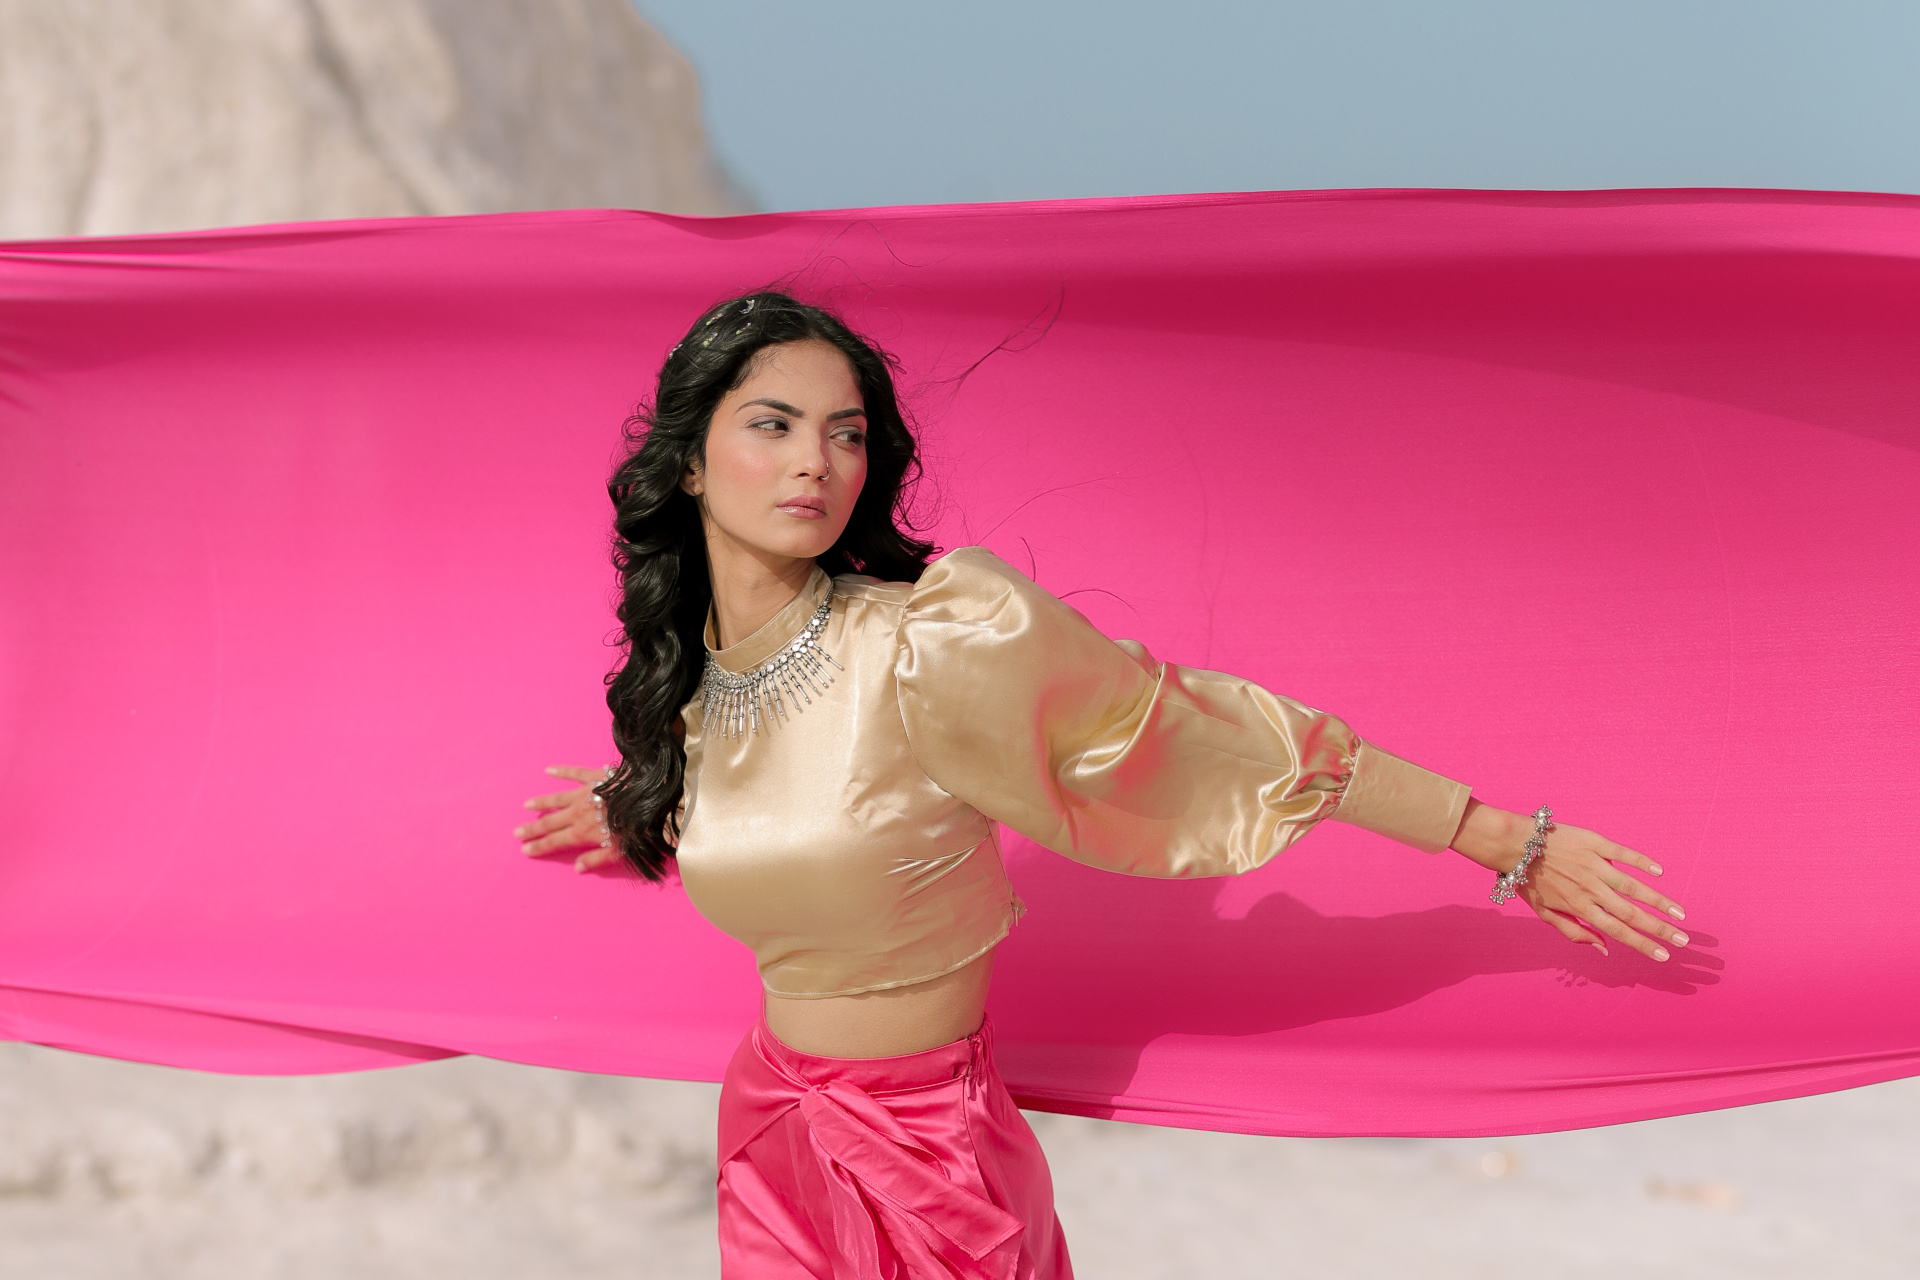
(897, 1146)
(1603, 500)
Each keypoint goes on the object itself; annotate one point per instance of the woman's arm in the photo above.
(578, 819)
(570, 819)
(1017, 705)
(1576, 884)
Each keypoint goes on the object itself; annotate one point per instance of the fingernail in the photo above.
(1659, 953)
(579, 866)
(551, 769)
(1679, 939)
(1602, 950)
(527, 847)
(1676, 913)
(1657, 871)
(519, 833)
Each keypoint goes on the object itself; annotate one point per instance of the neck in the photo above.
(749, 586)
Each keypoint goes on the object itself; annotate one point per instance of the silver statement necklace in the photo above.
(731, 702)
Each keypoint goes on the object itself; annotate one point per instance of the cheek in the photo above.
(845, 491)
(854, 479)
(735, 473)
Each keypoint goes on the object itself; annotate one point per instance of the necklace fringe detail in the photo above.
(734, 704)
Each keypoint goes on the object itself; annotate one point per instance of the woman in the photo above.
(820, 726)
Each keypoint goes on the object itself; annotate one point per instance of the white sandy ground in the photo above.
(483, 1171)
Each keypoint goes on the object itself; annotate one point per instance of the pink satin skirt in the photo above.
(880, 1168)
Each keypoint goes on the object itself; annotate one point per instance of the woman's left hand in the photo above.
(570, 819)
(1578, 883)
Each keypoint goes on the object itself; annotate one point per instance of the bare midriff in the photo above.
(888, 1023)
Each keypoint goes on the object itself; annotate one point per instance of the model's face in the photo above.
(786, 455)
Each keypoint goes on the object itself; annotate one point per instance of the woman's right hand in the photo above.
(570, 820)
(1578, 884)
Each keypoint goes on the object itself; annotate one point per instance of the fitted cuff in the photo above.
(1401, 801)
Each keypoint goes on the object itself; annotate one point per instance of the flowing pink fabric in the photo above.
(871, 1168)
(1608, 500)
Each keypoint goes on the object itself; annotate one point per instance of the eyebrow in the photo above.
(784, 407)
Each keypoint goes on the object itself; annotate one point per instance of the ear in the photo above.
(690, 481)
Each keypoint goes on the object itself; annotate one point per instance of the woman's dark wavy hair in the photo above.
(660, 549)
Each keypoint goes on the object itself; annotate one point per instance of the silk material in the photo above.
(1598, 499)
(849, 843)
(819, 841)
(918, 1166)
(1015, 703)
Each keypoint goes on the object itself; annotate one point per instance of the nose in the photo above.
(810, 454)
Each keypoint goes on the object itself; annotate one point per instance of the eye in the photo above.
(768, 424)
(852, 435)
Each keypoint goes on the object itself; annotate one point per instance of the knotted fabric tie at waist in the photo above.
(883, 1183)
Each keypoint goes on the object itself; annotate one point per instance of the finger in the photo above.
(557, 800)
(571, 838)
(1628, 887)
(1597, 917)
(597, 857)
(579, 773)
(1572, 929)
(1620, 853)
(1635, 916)
(542, 826)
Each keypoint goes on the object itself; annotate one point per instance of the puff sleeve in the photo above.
(1014, 703)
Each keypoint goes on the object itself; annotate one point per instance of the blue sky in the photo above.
(832, 103)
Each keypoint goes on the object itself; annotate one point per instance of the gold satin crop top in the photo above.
(851, 843)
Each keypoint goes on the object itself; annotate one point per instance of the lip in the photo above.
(805, 507)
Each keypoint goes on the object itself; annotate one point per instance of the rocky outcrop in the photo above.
(146, 115)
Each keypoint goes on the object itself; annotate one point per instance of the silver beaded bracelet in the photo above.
(600, 802)
(1508, 883)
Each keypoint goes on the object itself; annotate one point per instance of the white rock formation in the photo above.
(146, 115)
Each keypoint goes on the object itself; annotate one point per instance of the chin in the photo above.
(803, 544)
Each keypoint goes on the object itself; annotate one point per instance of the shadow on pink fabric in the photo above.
(1606, 500)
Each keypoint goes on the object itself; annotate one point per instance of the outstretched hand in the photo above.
(571, 820)
(1578, 884)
